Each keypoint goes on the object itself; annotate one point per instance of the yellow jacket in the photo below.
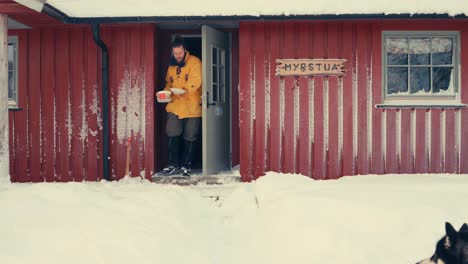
(189, 79)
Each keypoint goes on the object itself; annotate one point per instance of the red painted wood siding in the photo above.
(328, 127)
(58, 134)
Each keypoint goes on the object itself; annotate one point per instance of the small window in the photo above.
(420, 67)
(13, 72)
(218, 75)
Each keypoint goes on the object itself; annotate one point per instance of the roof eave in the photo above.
(59, 15)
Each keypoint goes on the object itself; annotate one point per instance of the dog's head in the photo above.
(452, 248)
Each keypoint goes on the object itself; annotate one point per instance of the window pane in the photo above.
(442, 51)
(215, 93)
(442, 80)
(397, 80)
(222, 77)
(420, 52)
(215, 74)
(11, 56)
(215, 56)
(11, 87)
(420, 80)
(397, 51)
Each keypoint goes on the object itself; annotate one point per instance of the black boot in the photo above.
(173, 163)
(189, 151)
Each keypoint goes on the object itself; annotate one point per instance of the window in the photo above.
(218, 75)
(13, 72)
(420, 67)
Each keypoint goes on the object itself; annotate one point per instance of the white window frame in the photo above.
(13, 102)
(443, 100)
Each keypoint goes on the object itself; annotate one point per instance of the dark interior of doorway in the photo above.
(193, 42)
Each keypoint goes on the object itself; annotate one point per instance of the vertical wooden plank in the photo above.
(303, 144)
(135, 92)
(405, 154)
(235, 98)
(333, 111)
(450, 160)
(119, 95)
(391, 161)
(77, 102)
(318, 145)
(289, 90)
(21, 117)
(377, 161)
(464, 100)
(274, 143)
(244, 101)
(92, 106)
(148, 59)
(62, 87)
(5, 145)
(112, 94)
(107, 39)
(363, 97)
(436, 151)
(420, 155)
(349, 51)
(35, 146)
(259, 64)
(48, 103)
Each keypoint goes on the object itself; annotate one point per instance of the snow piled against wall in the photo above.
(113, 8)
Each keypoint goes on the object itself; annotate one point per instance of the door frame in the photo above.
(189, 35)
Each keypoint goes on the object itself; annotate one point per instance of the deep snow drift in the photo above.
(281, 218)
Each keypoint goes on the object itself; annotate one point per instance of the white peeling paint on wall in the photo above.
(326, 116)
(141, 84)
(369, 112)
(355, 110)
(383, 142)
(267, 104)
(296, 120)
(252, 91)
(443, 124)
(413, 136)
(129, 105)
(398, 135)
(252, 107)
(69, 120)
(428, 136)
(121, 107)
(96, 111)
(311, 86)
(340, 122)
(84, 114)
(281, 114)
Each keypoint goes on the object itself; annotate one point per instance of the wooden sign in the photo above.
(309, 67)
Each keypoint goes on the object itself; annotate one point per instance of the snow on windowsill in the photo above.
(424, 106)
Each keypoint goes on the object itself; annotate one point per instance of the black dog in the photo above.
(452, 248)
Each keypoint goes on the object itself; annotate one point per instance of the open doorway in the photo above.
(213, 48)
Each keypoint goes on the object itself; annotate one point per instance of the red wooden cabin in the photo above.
(400, 107)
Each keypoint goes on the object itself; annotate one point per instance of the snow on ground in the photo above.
(280, 218)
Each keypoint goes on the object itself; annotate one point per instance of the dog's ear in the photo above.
(463, 228)
(450, 231)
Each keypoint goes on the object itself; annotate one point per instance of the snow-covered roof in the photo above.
(163, 8)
